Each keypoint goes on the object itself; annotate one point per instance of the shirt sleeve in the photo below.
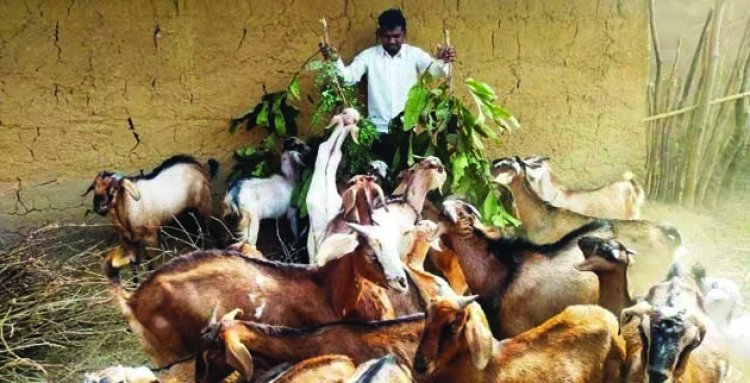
(353, 73)
(436, 67)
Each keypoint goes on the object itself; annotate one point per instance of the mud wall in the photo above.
(80, 80)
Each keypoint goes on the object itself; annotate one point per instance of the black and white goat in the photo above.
(139, 205)
(254, 199)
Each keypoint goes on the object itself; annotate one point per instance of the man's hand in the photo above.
(446, 53)
(328, 51)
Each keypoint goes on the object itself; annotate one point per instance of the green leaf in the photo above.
(278, 117)
(416, 102)
(262, 118)
(293, 88)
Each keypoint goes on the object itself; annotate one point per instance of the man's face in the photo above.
(392, 39)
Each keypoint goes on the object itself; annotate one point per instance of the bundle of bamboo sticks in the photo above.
(699, 126)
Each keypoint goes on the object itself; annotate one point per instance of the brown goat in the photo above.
(324, 369)
(521, 284)
(609, 260)
(169, 309)
(229, 345)
(544, 223)
(339, 368)
(670, 338)
(139, 205)
(457, 346)
(621, 199)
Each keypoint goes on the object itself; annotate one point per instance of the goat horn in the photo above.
(214, 315)
(89, 190)
(232, 314)
(381, 195)
(463, 302)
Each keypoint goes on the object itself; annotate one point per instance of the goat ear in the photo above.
(626, 315)
(131, 188)
(355, 134)
(297, 158)
(238, 355)
(587, 265)
(336, 246)
(694, 343)
(478, 337)
(363, 230)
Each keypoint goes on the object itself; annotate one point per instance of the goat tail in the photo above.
(213, 168)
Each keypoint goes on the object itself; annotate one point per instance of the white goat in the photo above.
(621, 199)
(121, 374)
(323, 199)
(255, 199)
(139, 205)
(722, 298)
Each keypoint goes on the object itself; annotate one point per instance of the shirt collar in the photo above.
(400, 53)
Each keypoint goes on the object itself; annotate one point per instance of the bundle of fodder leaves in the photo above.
(56, 318)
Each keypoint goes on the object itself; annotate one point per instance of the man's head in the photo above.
(392, 30)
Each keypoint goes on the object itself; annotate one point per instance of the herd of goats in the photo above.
(561, 301)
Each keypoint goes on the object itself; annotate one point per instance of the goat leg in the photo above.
(291, 215)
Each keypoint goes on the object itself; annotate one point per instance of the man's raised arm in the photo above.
(440, 65)
(352, 73)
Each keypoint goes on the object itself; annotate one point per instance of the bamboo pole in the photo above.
(653, 96)
(715, 101)
(666, 161)
(722, 129)
(701, 120)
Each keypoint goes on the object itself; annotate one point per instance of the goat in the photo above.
(177, 372)
(168, 310)
(721, 299)
(609, 260)
(457, 346)
(139, 205)
(657, 243)
(621, 199)
(324, 368)
(229, 344)
(721, 296)
(386, 369)
(339, 368)
(121, 374)
(254, 199)
(323, 199)
(521, 284)
(670, 338)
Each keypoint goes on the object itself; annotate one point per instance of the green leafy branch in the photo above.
(278, 117)
(435, 122)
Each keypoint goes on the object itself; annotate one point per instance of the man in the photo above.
(392, 69)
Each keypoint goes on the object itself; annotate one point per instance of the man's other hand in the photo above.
(446, 53)
(328, 51)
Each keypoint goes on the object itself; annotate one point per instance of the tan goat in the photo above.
(521, 284)
(609, 260)
(330, 368)
(656, 243)
(670, 338)
(578, 345)
(339, 369)
(621, 199)
(139, 205)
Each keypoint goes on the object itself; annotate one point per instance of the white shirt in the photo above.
(389, 78)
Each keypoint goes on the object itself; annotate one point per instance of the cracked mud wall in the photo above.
(121, 85)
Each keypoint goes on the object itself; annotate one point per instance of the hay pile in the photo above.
(56, 320)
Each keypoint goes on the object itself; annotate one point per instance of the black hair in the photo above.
(391, 19)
